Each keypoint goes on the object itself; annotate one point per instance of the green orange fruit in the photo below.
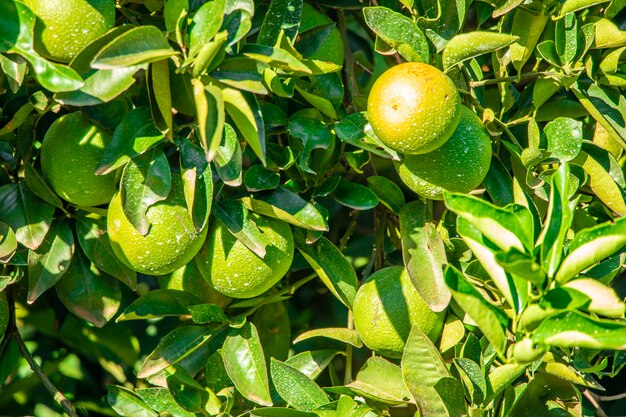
(172, 240)
(387, 306)
(459, 165)
(236, 271)
(332, 49)
(413, 108)
(64, 27)
(70, 152)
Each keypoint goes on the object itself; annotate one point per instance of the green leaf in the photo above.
(276, 58)
(100, 86)
(245, 364)
(590, 246)
(399, 32)
(522, 265)
(354, 195)
(557, 223)
(161, 400)
(28, 215)
(603, 299)
(205, 24)
(160, 95)
(159, 303)
(355, 130)
(280, 412)
(319, 102)
(502, 377)
(88, 293)
(244, 109)
(282, 15)
(473, 379)
(572, 329)
(576, 5)
(135, 135)
(234, 216)
(139, 45)
(287, 206)
(387, 192)
(40, 187)
(424, 255)
(381, 381)
(608, 35)
(8, 243)
(258, 178)
(197, 183)
(506, 227)
(442, 20)
(566, 38)
(491, 320)
(348, 336)
(422, 369)
(296, 388)
(499, 183)
(314, 135)
(470, 45)
(228, 158)
(569, 373)
(312, 362)
(565, 138)
(94, 241)
(52, 259)
(174, 347)
(145, 181)
(602, 169)
(209, 102)
(528, 25)
(128, 404)
(207, 313)
(330, 265)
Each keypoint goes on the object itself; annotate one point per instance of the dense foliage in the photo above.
(246, 113)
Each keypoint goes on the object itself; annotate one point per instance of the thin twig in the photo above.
(348, 64)
(611, 397)
(594, 402)
(58, 396)
(514, 78)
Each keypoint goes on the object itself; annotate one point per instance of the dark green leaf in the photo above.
(197, 182)
(52, 259)
(355, 130)
(173, 348)
(228, 158)
(296, 388)
(330, 265)
(25, 213)
(312, 362)
(159, 303)
(160, 95)
(133, 136)
(282, 15)
(207, 313)
(235, 217)
(387, 192)
(473, 378)
(424, 255)
(245, 363)
(314, 135)
(275, 58)
(258, 178)
(566, 38)
(8, 243)
(128, 404)
(94, 241)
(209, 103)
(161, 400)
(40, 187)
(140, 45)
(381, 381)
(565, 138)
(206, 23)
(88, 293)
(354, 195)
(146, 180)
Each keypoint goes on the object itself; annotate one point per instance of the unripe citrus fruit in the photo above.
(189, 279)
(64, 27)
(70, 152)
(172, 239)
(387, 306)
(413, 108)
(234, 270)
(459, 165)
(332, 49)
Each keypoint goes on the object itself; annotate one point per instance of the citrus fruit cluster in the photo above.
(415, 109)
(70, 153)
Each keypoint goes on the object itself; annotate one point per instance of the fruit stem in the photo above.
(514, 78)
(58, 396)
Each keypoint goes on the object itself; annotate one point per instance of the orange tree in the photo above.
(193, 204)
